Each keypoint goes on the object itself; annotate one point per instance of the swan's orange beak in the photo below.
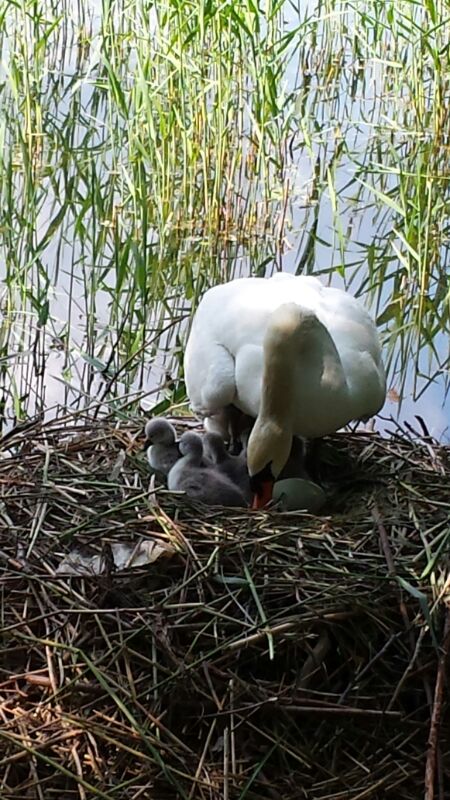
(264, 495)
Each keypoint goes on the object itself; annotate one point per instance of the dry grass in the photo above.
(262, 655)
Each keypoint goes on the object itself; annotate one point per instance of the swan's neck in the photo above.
(276, 397)
(282, 361)
(300, 363)
(271, 437)
(192, 460)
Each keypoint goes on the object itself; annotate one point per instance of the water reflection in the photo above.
(343, 129)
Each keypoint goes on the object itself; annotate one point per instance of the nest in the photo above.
(242, 654)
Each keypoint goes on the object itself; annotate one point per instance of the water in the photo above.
(83, 235)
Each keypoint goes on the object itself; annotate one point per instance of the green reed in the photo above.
(150, 150)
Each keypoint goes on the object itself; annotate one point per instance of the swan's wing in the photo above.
(356, 338)
(300, 282)
(224, 357)
(209, 374)
(248, 375)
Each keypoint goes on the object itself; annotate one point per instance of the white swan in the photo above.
(299, 357)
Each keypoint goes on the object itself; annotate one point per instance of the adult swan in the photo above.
(301, 358)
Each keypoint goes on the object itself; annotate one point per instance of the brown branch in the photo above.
(430, 768)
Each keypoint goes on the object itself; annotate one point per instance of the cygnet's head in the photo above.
(191, 445)
(159, 431)
(268, 450)
(214, 447)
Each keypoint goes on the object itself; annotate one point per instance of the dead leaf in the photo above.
(393, 395)
(126, 555)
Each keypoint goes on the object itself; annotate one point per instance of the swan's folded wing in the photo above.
(209, 375)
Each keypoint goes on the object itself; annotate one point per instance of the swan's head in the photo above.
(191, 445)
(214, 447)
(268, 450)
(159, 431)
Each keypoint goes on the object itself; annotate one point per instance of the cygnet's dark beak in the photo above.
(261, 485)
(147, 444)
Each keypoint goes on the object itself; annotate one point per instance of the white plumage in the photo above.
(301, 358)
(336, 376)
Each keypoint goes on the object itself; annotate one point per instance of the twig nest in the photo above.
(298, 494)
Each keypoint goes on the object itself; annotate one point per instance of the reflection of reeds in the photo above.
(147, 152)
